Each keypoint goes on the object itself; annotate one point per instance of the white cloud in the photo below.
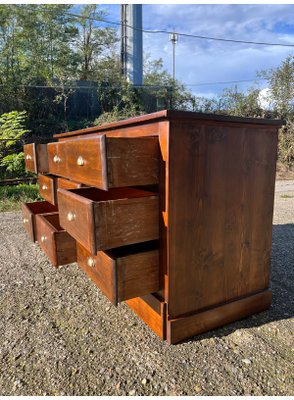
(265, 99)
(212, 61)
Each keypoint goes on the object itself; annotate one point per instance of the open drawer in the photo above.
(106, 162)
(47, 188)
(48, 185)
(123, 273)
(57, 158)
(56, 243)
(29, 212)
(102, 220)
(36, 157)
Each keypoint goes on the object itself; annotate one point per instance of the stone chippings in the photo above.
(60, 336)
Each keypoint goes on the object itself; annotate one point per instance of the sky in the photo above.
(206, 61)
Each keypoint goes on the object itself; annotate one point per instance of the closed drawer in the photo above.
(123, 273)
(47, 188)
(36, 157)
(102, 220)
(56, 243)
(29, 212)
(107, 162)
(57, 158)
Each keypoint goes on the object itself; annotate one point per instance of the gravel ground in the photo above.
(60, 336)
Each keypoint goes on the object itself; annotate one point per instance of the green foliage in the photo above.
(93, 40)
(281, 85)
(237, 103)
(12, 127)
(170, 93)
(10, 196)
(286, 144)
(14, 163)
(11, 130)
(43, 45)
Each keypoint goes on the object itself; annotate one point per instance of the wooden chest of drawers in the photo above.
(174, 215)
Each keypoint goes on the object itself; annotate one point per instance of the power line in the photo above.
(138, 86)
(223, 82)
(162, 31)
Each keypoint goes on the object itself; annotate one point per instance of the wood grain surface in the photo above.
(47, 188)
(56, 243)
(221, 201)
(122, 273)
(108, 219)
(186, 327)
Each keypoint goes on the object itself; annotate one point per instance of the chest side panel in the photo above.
(221, 188)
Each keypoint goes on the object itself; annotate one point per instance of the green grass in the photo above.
(11, 196)
(286, 196)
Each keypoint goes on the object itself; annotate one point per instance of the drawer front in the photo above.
(47, 188)
(36, 157)
(132, 161)
(106, 162)
(122, 273)
(30, 159)
(86, 161)
(76, 217)
(67, 184)
(57, 244)
(103, 220)
(29, 212)
(57, 158)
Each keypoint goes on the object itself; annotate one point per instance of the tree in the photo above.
(93, 40)
(171, 93)
(281, 84)
(234, 102)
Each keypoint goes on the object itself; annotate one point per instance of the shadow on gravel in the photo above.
(282, 285)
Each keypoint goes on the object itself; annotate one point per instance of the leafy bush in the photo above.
(11, 131)
(286, 144)
(10, 196)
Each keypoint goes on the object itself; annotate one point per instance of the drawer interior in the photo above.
(131, 249)
(96, 194)
(40, 207)
(53, 221)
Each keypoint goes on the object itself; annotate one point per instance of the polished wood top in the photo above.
(172, 115)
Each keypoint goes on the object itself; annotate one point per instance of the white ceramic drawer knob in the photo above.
(56, 159)
(80, 161)
(71, 216)
(91, 262)
(43, 238)
(28, 157)
(25, 220)
(44, 187)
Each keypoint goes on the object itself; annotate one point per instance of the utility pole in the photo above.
(173, 37)
(132, 43)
